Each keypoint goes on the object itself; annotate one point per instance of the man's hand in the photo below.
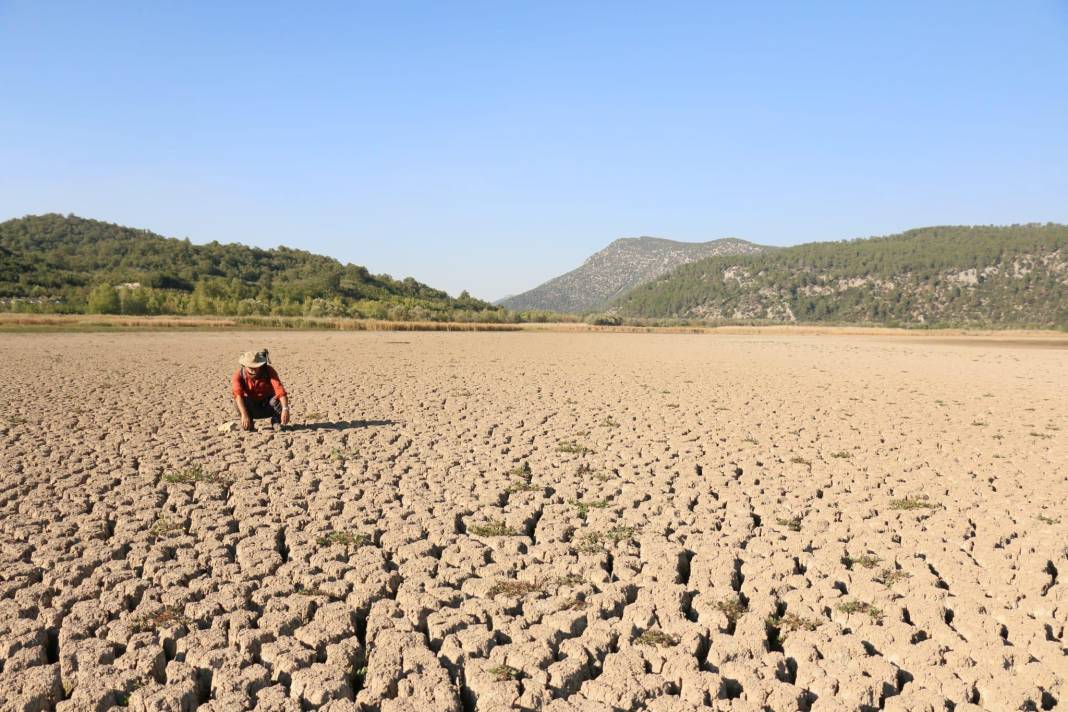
(285, 416)
(246, 422)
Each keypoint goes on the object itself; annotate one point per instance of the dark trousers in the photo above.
(258, 410)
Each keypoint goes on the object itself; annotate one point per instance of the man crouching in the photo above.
(258, 392)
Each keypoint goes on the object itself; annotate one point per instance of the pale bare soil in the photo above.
(726, 522)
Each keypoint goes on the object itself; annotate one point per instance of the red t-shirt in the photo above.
(260, 389)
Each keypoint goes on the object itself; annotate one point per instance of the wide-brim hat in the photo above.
(253, 359)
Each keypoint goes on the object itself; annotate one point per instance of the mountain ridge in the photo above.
(622, 265)
(985, 275)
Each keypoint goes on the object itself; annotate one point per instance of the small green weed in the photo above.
(732, 608)
(571, 447)
(497, 527)
(585, 507)
(910, 503)
(868, 561)
(523, 471)
(851, 607)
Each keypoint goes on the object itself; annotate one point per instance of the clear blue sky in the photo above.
(489, 146)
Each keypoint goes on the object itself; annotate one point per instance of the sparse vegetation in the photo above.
(523, 484)
(522, 471)
(512, 588)
(1048, 520)
(732, 608)
(798, 460)
(497, 527)
(584, 507)
(572, 447)
(793, 523)
(852, 607)
(910, 503)
(346, 538)
(166, 617)
(790, 623)
(593, 542)
(192, 475)
(889, 577)
(842, 454)
(504, 673)
(657, 638)
(609, 423)
(868, 561)
(165, 527)
(568, 580)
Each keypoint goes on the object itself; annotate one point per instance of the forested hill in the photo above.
(951, 276)
(67, 263)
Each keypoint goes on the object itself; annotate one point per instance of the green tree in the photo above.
(104, 300)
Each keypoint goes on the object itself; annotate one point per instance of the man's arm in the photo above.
(284, 400)
(246, 422)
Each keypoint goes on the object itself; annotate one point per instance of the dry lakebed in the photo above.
(535, 521)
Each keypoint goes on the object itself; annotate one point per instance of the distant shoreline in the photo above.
(13, 322)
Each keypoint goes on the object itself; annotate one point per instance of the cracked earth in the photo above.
(529, 521)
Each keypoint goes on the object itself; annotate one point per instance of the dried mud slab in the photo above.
(534, 521)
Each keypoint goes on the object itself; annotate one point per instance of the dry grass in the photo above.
(346, 538)
(165, 527)
(166, 617)
(657, 638)
(512, 588)
(910, 503)
(494, 528)
(888, 577)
